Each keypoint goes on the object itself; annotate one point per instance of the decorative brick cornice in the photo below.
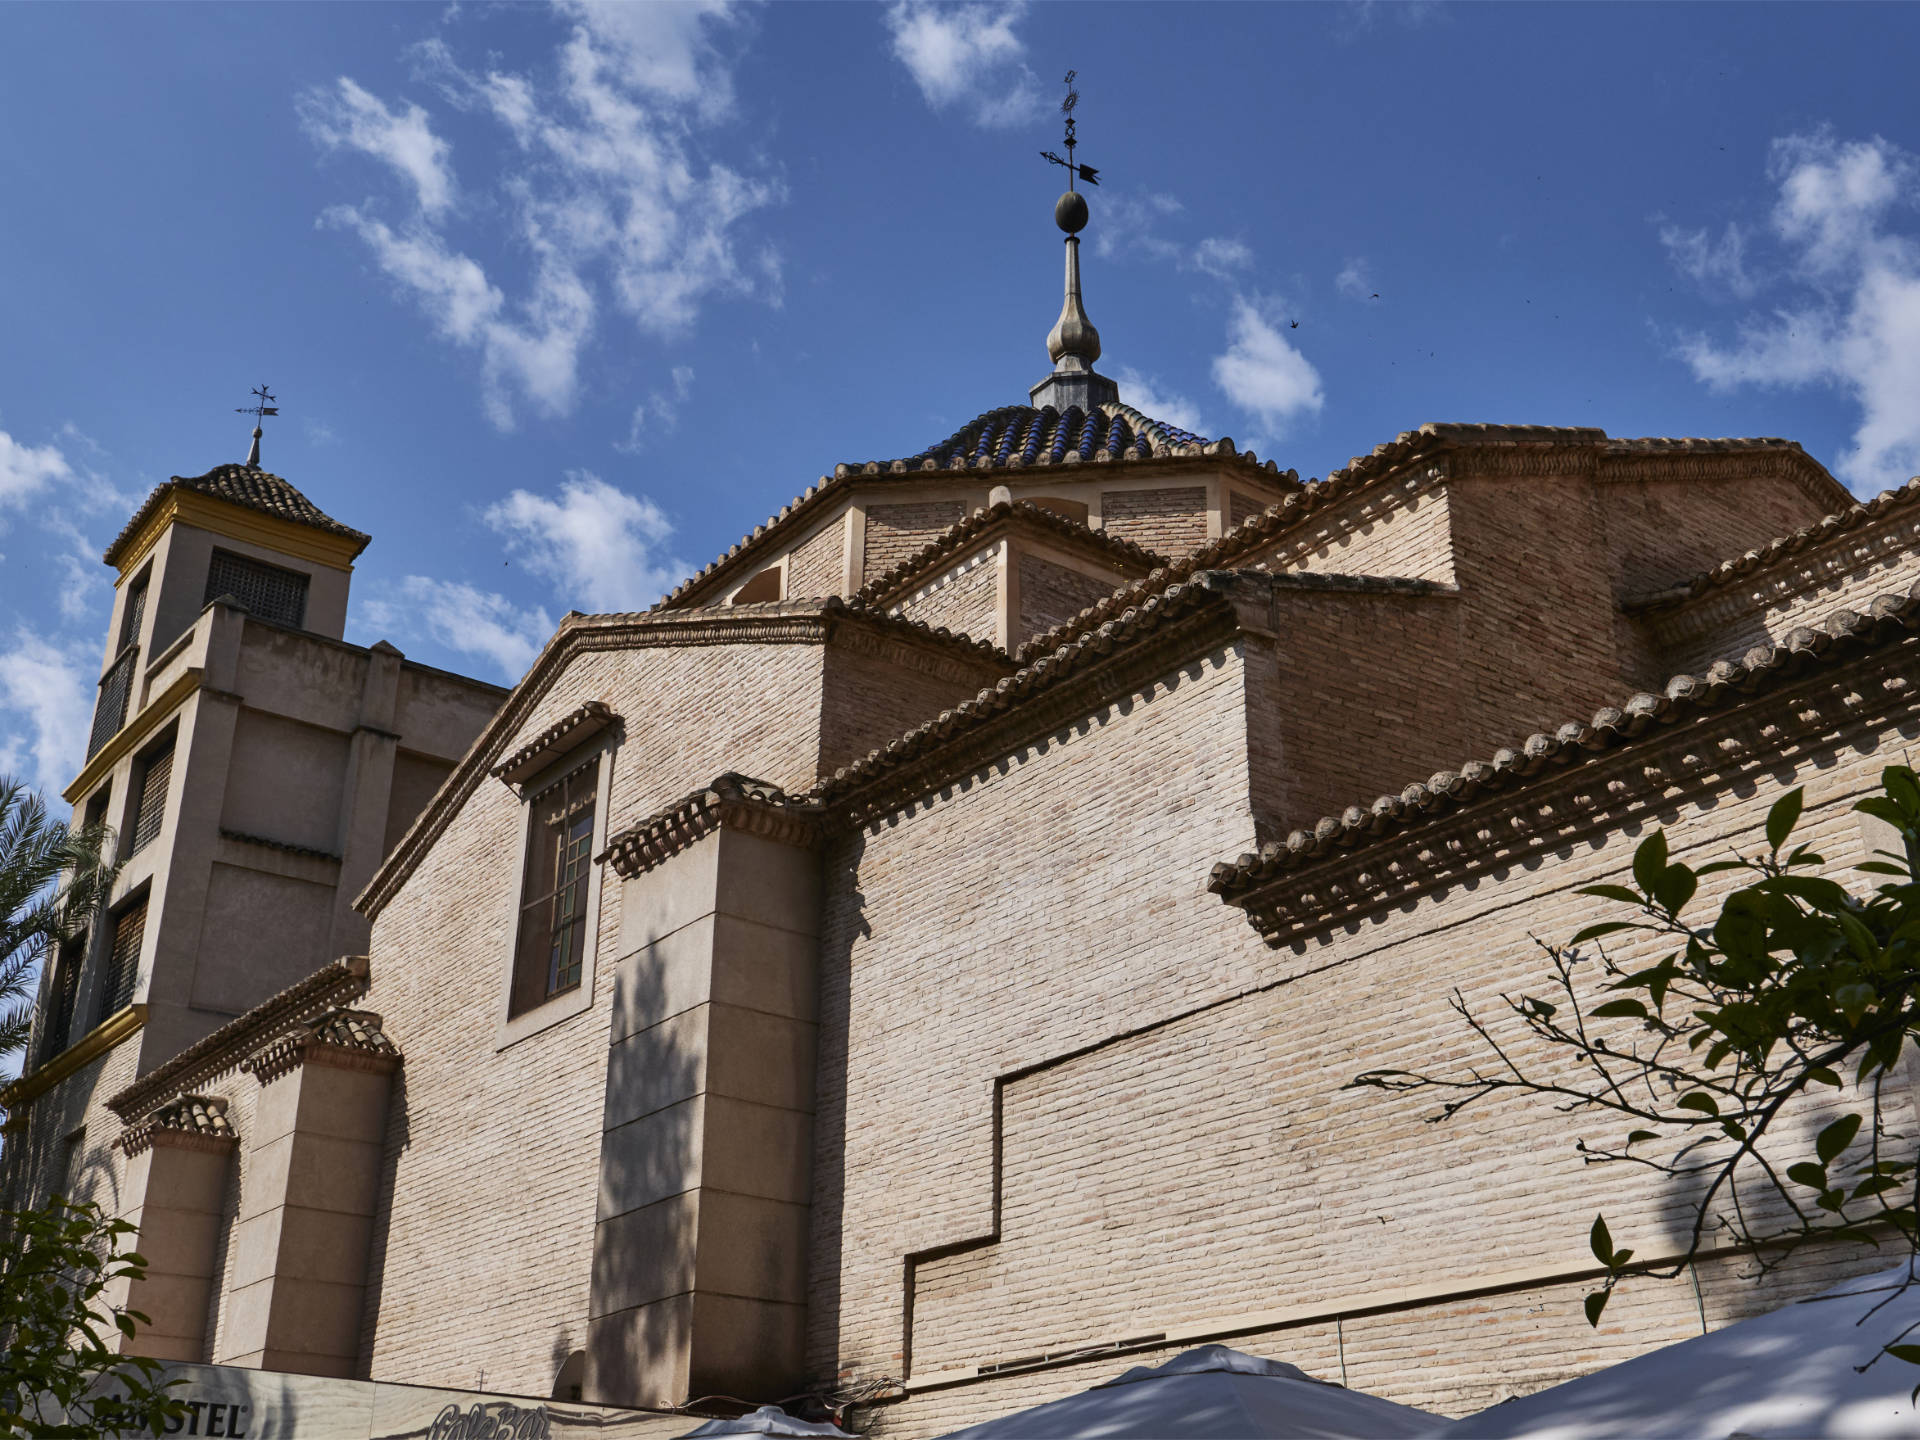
(731, 802)
(189, 1122)
(222, 1051)
(570, 730)
(993, 520)
(1853, 672)
(346, 1039)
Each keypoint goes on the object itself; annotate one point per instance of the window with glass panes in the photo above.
(123, 960)
(269, 591)
(550, 948)
(150, 809)
(57, 1033)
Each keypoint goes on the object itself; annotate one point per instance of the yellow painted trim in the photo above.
(90, 1047)
(131, 734)
(237, 522)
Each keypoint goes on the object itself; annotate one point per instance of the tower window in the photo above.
(134, 612)
(150, 807)
(65, 989)
(550, 949)
(266, 590)
(123, 960)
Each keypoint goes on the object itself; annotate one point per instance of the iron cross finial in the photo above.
(1082, 172)
(263, 405)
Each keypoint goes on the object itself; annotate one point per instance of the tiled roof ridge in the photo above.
(353, 1039)
(585, 720)
(1808, 537)
(1157, 610)
(247, 486)
(200, 1120)
(980, 520)
(223, 1049)
(923, 463)
(1842, 634)
(759, 806)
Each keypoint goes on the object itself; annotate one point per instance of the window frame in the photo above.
(213, 591)
(98, 997)
(168, 748)
(511, 1027)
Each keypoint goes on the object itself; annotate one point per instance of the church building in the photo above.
(913, 969)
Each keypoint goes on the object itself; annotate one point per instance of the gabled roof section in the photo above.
(1005, 514)
(1828, 527)
(1890, 620)
(251, 489)
(1007, 435)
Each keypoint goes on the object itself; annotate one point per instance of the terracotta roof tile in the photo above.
(1842, 635)
(198, 1117)
(241, 485)
(1773, 552)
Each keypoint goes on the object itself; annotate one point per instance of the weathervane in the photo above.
(1083, 172)
(263, 405)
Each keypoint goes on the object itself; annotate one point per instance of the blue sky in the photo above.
(559, 300)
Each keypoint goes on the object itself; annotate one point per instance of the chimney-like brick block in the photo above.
(177, 1178)
(700, 1242)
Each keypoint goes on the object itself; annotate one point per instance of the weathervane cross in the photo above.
(1083, 172)
(263, 405)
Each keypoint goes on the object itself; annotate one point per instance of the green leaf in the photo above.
(1733, 1130)
(1605, 927)
(1820, 1074)
(1908, 1353)
(1853, 999)
(1616, 1008)
(1601, 1241)
(1836, 1138)
(1806, 1173)
(1784, 815)
(1650, 862)
(1610, 892)
(1676, 887)
(1701, 1101)
(1634, 1136)
(1597, 1302)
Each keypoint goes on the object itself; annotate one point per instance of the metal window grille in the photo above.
(123, 961)
(136, 611)
(110, 706)
(266, 590)
(70, 1150)
(550, 953)
(150, 811)
(64, 991)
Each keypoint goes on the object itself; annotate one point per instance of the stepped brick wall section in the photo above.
(1240, 507)
(966, 602)
(1661, 532)
(876, 694)
(818, 566)
(1168, 521)
(1759, 608)
(896, 532)
(1403, 529)
(506, 1145)
(1171, 1165)
(1052, 594)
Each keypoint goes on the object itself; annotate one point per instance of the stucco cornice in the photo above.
(83, 1052)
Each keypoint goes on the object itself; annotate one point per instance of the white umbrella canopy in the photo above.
(767, 1420)
(1787, 1375)
(1212, 1392)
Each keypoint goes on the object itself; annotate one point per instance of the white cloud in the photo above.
(660, 411)
(462, 617)
(601, 189)
(48, 692)
(1711, 262)
(1147, 395)
(1355, 280)
(347, 117)
(1854, 322)
(596, 544)
(967, 56)
(1220, 257)
(1264, 375)
(25, 470)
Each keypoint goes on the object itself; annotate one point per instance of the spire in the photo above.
(1073, 344)
(262, 406)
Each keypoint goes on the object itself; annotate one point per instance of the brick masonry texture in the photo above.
(1239, 507)
(1170, 521)
(818, 566)
(895, 532)
(1405, 530)
(963, 599)
(1052, 594)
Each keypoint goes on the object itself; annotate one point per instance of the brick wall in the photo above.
(964, 599)
(1402, 529)
(876, 689)
(1168, 522)
(818, 566)
(1661, 532)
(1052, 594)
(895, 532)
(1241, 507)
